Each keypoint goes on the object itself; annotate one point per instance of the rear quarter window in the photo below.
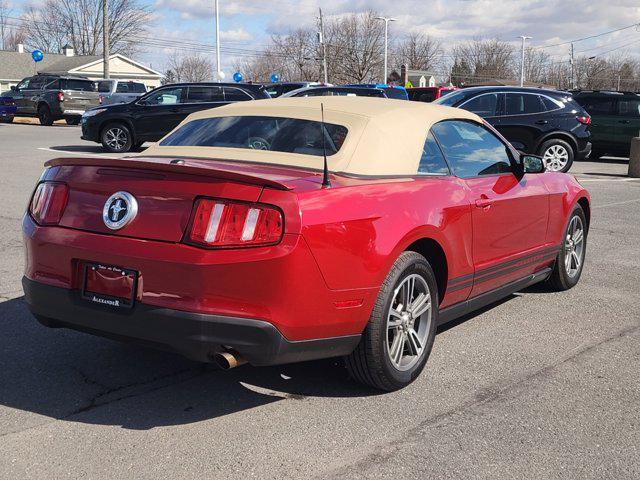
(79, 85)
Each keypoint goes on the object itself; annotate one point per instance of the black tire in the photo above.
(44, 115)
(560, 143)
(119, 130)
(72, 120)
(7, 120)
(560, 280)
(370, 363)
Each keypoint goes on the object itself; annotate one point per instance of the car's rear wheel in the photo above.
(44, 116)
(570, 261)
(7, 120)
(557, 154)
(398, 339)
(116, 138)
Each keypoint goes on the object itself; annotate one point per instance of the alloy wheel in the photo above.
(408, 322)
(574, 247)
(556, 158)
(116, 138)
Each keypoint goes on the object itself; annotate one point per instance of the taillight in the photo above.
(60, 96)
(225, 224)
(100, 99)
(48, 203)
(584, 119)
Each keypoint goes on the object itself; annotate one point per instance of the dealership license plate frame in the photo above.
(104, 299)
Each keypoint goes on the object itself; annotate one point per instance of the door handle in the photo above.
(542, 122)
(624, 121)
(484, 202)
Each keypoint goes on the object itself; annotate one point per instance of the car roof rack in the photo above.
(612, 92)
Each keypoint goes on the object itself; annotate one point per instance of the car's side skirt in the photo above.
(459, 309)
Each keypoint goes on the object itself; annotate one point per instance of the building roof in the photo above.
(385, 137)
(16, 66)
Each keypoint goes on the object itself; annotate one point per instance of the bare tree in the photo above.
(537, 65)
(486, 59)
(79, 23)
(419, 52)
(355, 48)
(191, 68)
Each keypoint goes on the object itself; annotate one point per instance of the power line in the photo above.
(589, 37)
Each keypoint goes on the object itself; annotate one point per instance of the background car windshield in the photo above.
(276, 134)
(453, 98)
(471, 149)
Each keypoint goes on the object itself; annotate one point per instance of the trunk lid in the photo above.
(165, 192)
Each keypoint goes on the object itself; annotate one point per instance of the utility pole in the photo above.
(524, 39)
(218, 71)
(324, 49)
(618, 81)
(573, 72)
(105, 38)
(386, 21)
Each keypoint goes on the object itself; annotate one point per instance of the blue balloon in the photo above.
(37, 55)
(237, 77)
(275, 78)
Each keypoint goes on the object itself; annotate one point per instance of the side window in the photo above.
(26, 83)
(165, 96)
(56, 85)
(432, 161)
(36, 83)
(235, 95)
(597, 105)
(204, 95)
(522, 104)
(471, 149)
(122, 88)
(104, 86)
(550, 105)
(629, 107)
(484, 105)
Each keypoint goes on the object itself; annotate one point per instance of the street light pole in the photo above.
(386, 21)
(105, 39)
(524, 39)
(217, 42)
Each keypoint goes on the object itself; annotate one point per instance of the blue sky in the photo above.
(247, 24)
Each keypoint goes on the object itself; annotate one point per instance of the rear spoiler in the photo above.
(208, 168)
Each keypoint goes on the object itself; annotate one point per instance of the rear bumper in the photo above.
(194, 335)
(584, 152)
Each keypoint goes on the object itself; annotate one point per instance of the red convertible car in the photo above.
(230, 241)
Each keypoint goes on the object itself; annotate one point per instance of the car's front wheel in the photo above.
(72, 120)
(398, 339)
(557, 154)
(570, 261)
(116, 138)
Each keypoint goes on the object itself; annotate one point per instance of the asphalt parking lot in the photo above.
(541, 385)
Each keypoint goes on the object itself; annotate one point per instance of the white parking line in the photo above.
(626, 202)
(583, 180)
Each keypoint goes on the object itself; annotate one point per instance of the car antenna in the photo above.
(325, 170)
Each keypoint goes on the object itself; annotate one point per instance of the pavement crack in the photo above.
(386, 450)
(98, 399)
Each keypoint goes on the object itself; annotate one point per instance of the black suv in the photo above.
(548, 123)
(149, 118)
(615, 120)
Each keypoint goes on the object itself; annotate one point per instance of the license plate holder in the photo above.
(109, 286)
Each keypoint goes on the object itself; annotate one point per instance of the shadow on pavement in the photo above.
(64, 374)
(95, 148)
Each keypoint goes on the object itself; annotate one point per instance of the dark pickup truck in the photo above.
(54, 97)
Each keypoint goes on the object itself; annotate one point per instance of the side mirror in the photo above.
(532, 163)
(13, 88)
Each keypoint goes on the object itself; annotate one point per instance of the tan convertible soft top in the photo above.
(385, 136)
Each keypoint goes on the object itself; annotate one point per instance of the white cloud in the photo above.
(236, 35)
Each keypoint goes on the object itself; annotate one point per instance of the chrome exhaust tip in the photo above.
(228, 360)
